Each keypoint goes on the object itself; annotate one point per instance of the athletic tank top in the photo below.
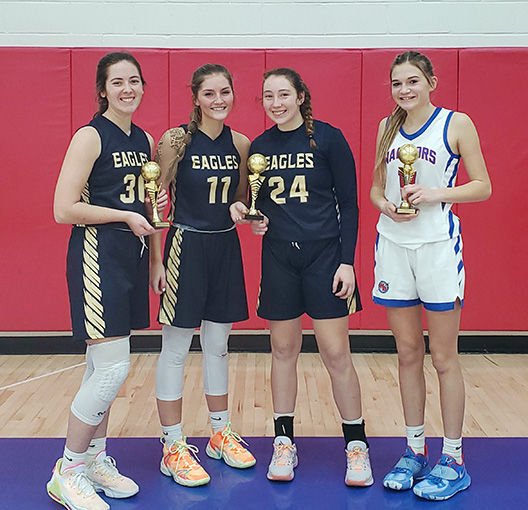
(206, 183)
(115, 180)
(436, 167)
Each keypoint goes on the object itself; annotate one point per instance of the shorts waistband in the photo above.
(198, 231)
(112, 226)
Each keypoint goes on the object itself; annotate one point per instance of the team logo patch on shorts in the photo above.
(383, 287)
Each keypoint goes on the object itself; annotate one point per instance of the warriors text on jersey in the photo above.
(115, 180)
(436, 167)
(309, 194)
(206, 182)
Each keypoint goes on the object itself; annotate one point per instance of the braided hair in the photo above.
(300, 87)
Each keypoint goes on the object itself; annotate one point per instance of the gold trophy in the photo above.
(407, 154)
(256, 165)
(151, 173)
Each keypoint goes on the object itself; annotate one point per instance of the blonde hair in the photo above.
(397, 118)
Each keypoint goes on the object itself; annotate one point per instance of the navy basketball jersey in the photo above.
(206, 182)
(115, 180)
(309, 194)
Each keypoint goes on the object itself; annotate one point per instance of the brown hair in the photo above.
(198, 78)
(300, 87)
(180, 138)
(102, 75)
(397, 118)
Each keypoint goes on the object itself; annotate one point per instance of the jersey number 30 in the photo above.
(133, 183)
(297, 189)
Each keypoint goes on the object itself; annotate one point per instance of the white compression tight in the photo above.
(175, 347)
(213, 338)
(107, 366)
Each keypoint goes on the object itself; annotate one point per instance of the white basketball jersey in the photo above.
(436, 167)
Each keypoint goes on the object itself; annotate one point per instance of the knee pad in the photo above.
(111, 363)
(175, 345)
(214, 337)
(89, 368)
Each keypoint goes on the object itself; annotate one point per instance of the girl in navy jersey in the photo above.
(201, 279)
(419, 264)
(99, 191)
(309, 200)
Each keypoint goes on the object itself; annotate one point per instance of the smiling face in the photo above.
(123, 88)
(282, 103)
(410, 87)
(215, 97)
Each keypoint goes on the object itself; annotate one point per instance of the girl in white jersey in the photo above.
(419, 263)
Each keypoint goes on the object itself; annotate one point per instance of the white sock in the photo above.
(219, 420)
(73, 461)
(276, 416)
(172, 433)
(357, 421)
(96, 449)
(416, 438)
(453, 447)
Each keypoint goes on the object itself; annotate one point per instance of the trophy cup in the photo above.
(151, 173)
(407, 154)
(256, 165)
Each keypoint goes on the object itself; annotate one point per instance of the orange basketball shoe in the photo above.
(181, 462)
(227, 445)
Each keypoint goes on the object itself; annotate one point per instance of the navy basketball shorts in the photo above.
(108, 281)
(205, 279)
(297, 278)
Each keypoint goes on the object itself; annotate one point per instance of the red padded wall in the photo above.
(35, 92)
(49, 93)
(495, 247)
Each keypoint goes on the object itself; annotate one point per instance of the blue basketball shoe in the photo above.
(444, 481)
(410, 468)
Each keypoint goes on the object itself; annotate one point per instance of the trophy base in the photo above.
(406, 210)
(161, 224)
(253, 217)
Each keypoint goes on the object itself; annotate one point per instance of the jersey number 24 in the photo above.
(297, 189)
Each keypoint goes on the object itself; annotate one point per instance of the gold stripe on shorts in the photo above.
(352, 303)
(85, 194)
(169, 297)
(93, 306)
(258, 295)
